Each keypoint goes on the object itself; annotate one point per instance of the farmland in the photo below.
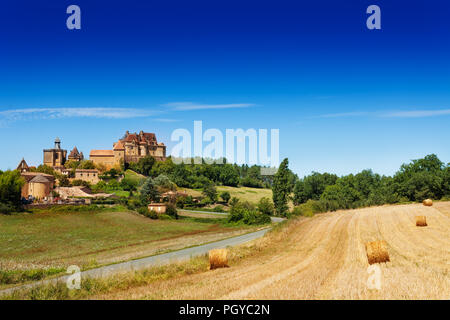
(324, 257)
(43, 240)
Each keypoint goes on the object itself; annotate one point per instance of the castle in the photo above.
(130, 148)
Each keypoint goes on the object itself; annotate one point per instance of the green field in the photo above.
(252, 195)
(34, 241)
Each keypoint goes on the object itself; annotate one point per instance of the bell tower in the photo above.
(55, 157)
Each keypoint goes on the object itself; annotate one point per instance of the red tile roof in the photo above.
(102, 153)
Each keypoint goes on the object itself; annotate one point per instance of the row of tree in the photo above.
(423, 178)
(198, 175)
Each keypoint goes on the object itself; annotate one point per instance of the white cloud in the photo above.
(185, 106)
(388, 114)
(417, 113)
(57, 113)
(166, 120)
(343, 115)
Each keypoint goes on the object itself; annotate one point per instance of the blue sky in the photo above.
(344, 98)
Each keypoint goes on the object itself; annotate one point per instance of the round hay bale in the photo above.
(218, 258)
(428, 202)
(421, 221)
(377, 252)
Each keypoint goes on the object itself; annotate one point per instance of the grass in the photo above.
(121, 193)
(130, 174)
(252, 195)
(325, 254)
(124, 281)
(44, 241)
(19, 276)
(98, 287)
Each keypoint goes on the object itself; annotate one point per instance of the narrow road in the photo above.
(157, 260)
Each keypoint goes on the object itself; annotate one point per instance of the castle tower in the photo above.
(55, 157)
(57, 143)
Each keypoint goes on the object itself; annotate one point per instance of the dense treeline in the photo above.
(422, 178)
(196, 176)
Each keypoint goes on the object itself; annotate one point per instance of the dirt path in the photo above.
(324, 258)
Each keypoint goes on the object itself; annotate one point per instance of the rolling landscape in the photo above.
(217, 158)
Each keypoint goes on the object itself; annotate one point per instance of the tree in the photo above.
(422, 178)
(64, 181)
(129, 184)
(209, 190)
(43, 168)
(11, 184)
(145, 165)
(312, 186)
(281, 188)
(86, 164)
(225, 195)
(228, 175)
(149, 192)
(163, 183)
(72, 164)
(163, 167)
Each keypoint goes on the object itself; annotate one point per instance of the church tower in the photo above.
(55, 157)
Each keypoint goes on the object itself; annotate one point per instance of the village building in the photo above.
(130, 148)
(107, 158)
(89, 175)
(37, 185)
(159, 208)
(75, 155)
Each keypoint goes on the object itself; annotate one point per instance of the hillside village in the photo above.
(43, 187)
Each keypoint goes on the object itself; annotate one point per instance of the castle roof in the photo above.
(40, 179)
(102, 153)
(23, 166)
(28, 176)
(141, 138)
(74, 153)
(119, 146)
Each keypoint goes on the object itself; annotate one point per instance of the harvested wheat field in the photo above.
(324, 257)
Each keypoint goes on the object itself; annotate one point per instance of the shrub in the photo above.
(234, 201)
(6, 208)
(246, 213)
(309, 209)
(180, 202)
(225, 196)
(143, 211)
(218, 208)
(265, 206)
(134, 203)
(79, 182)
(172, 211)
(206, 201)
(147, 213)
